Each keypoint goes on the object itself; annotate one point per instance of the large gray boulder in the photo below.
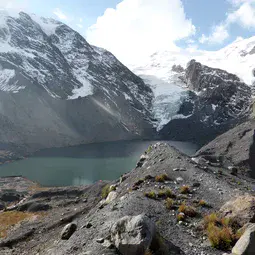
(246, 244)
(68, 230)
(133, 234)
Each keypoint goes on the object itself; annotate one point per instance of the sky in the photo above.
(136, 28)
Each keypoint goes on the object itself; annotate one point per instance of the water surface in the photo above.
(83, 164)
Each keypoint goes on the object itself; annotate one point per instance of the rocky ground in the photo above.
(97, 226)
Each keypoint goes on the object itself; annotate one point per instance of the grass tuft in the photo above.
(169, 203)
(187, 210)
(185, 189)
(151, 194)
(162, 178)
(222, 232)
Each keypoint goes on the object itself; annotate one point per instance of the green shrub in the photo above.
(151, 194)
(169, 203)
(166, 193)
(106, 190)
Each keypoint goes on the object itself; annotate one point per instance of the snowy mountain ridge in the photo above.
(57, 89)
(237, 58)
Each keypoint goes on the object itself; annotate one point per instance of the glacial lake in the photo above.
(84, 164)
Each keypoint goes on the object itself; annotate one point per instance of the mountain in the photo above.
(167, 73)
(216, 101)
(56, 89)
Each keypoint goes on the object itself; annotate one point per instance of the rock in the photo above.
(179, 179)
(183, 169)
(100, 240)
(108, 244)
(233, 170)
(111, 196)
(246, 244)
(241, 209)
(196, 184)
(133, 234)
(68, 230)
(176, 169)
(88, 225)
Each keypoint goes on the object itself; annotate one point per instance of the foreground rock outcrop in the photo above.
(233, 147)
(158, 208)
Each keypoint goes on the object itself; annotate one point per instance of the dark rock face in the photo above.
(235, 146)
(57, 90)
(216, 102)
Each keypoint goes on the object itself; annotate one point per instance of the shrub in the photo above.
(187, 210)
(203, 203)
(161, 178)
(166, 193)
(223, 232)
(106, 190)
(151, 194)
(149, 149)
(220, 238)
(211, 218)
(185, 189)
(169, 203)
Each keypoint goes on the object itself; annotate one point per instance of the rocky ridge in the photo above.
(136, 203)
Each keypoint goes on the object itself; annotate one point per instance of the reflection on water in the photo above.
(85, 164)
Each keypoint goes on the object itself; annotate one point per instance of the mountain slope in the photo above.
(56, 89)
(174, 94)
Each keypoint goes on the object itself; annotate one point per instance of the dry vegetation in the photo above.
(187, 210)
(184, 189)
(9, 219)
(222, 233)
(162, 178)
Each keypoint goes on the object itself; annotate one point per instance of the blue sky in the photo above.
(144, 26)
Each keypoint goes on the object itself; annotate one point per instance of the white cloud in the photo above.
(219, 34)
(136, 28)
(60, 14)
(243, 14)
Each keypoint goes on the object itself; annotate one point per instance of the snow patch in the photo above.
(6, 84)
(83, 91)
(47, 25)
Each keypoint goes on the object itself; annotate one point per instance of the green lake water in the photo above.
(83, 164)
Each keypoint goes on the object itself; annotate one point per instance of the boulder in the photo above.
(246, 244)
(241, 209)
(111, 196)
(133, 234)
(68, 230)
